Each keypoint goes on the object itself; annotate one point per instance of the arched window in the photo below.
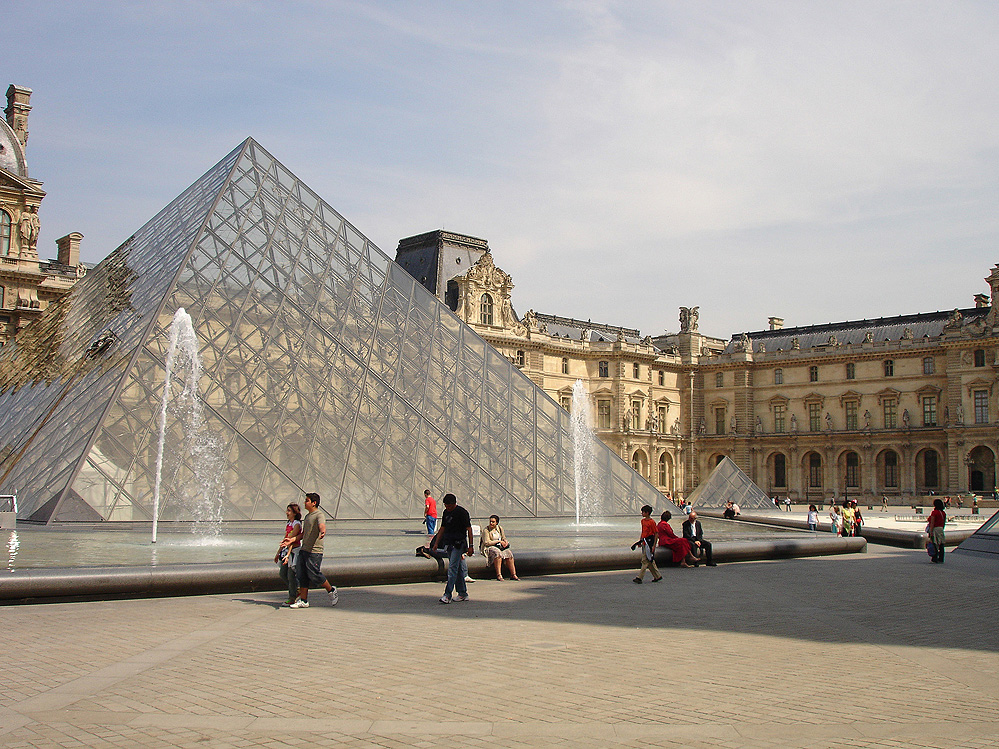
(891, 469)
(486, 310)
(814, 471)
(640, 463)
(4, 233)
(663, 474)
(780, 470)
(852, 470)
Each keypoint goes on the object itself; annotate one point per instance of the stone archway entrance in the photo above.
(982, 469)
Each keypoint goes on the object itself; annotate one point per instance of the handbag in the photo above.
(931, 549)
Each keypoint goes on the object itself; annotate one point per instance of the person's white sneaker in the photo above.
(445, 599)
(299, 604)
(469, 579)
(461, 598)
(334, 598)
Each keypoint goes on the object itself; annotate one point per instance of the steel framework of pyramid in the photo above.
(326, 368)
(729, 482)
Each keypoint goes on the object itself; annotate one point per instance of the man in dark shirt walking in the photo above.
(455, 537)
(310, 555)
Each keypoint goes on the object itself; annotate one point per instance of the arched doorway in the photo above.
(850, 470)
(928, 467)
(777, 472)
(640, 462)
(982, 470)
(888, 468)
(811, 464)
(666, 472)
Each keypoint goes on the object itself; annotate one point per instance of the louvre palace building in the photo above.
(900, 407)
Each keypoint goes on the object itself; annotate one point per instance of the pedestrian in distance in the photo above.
(835, 520)
(935, 527)
(647, 540)
(310, 555)
(429, 514)
(813, 517)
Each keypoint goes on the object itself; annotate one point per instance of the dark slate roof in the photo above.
(922, 325)
(567, 327)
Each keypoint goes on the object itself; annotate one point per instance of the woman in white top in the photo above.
(835, 520)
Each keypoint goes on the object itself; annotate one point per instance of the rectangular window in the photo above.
(814, 471)
(778, 377)
(851, 408)
(603, 414)
(520, 358)
(813, 374)
(661, 414)
(852, 470)
(814, 417)
(930, 468)
(980, 357)
(889, 368)
(719, 421)
(891, 413)
(851, 371)
(780, 414)
(565, 365)
(636, 371)
(719, 379)
(930, 411)
(662, 378)
(780, 470)
(603, 369)
(566, 401)
(981, 406)
(636, 415)
(928, 365)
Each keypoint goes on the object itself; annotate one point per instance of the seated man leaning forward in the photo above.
(693, 533)
(496, 549)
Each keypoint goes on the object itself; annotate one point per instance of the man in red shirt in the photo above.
(429, 513)
(648, 543)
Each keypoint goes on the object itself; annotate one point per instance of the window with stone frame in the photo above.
(566, 401)
(661, 416)
(929, 366)
(778, 376)
(603, 369)
(603, 414)
(565, 365)
(5, 225)
(486, 310)
(719, 419)
(931, 469)
(662, 378)
(814, 417)
(663, 472)
(929, 410)
(889, 366)
(636, 371)
(981, 406)
(636, 414)
(851, 410)
(890, 409)
(813, 374)
(719, 379)
(979, 357)
(780, 418)
(851, 371)
(521, 358)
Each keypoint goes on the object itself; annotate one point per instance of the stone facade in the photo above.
(27, 285)
(899, 406)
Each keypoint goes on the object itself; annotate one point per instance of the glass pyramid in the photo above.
(729, 482)
(326, 368)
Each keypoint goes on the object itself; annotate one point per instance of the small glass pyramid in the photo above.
(326, 368)
(729, 482)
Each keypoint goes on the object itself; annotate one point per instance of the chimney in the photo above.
(981, 300)
(69, 249)
(17, 111)
(776, 323)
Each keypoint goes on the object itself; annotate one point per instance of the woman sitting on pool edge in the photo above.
(496, 549)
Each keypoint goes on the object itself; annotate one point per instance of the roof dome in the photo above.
(11, 151)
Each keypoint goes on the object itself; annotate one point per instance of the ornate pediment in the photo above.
(851, 395)
(888, 393)
(979, 383)
(779, 399)
(814, 397)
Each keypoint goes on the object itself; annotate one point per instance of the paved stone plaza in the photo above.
(876, 649)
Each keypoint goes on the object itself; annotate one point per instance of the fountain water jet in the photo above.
(200, 448)
(584, 455)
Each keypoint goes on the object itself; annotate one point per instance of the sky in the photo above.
(816, 161)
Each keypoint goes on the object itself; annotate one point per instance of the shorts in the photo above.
(308, 571)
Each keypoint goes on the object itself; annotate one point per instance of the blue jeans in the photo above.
(456, 571)
(431, 524)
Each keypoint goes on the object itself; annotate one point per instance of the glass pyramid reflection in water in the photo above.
(326, 368)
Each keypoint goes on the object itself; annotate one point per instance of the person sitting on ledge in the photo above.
(729, 513)
(679, 547)
(496, 549)
(692, 532)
